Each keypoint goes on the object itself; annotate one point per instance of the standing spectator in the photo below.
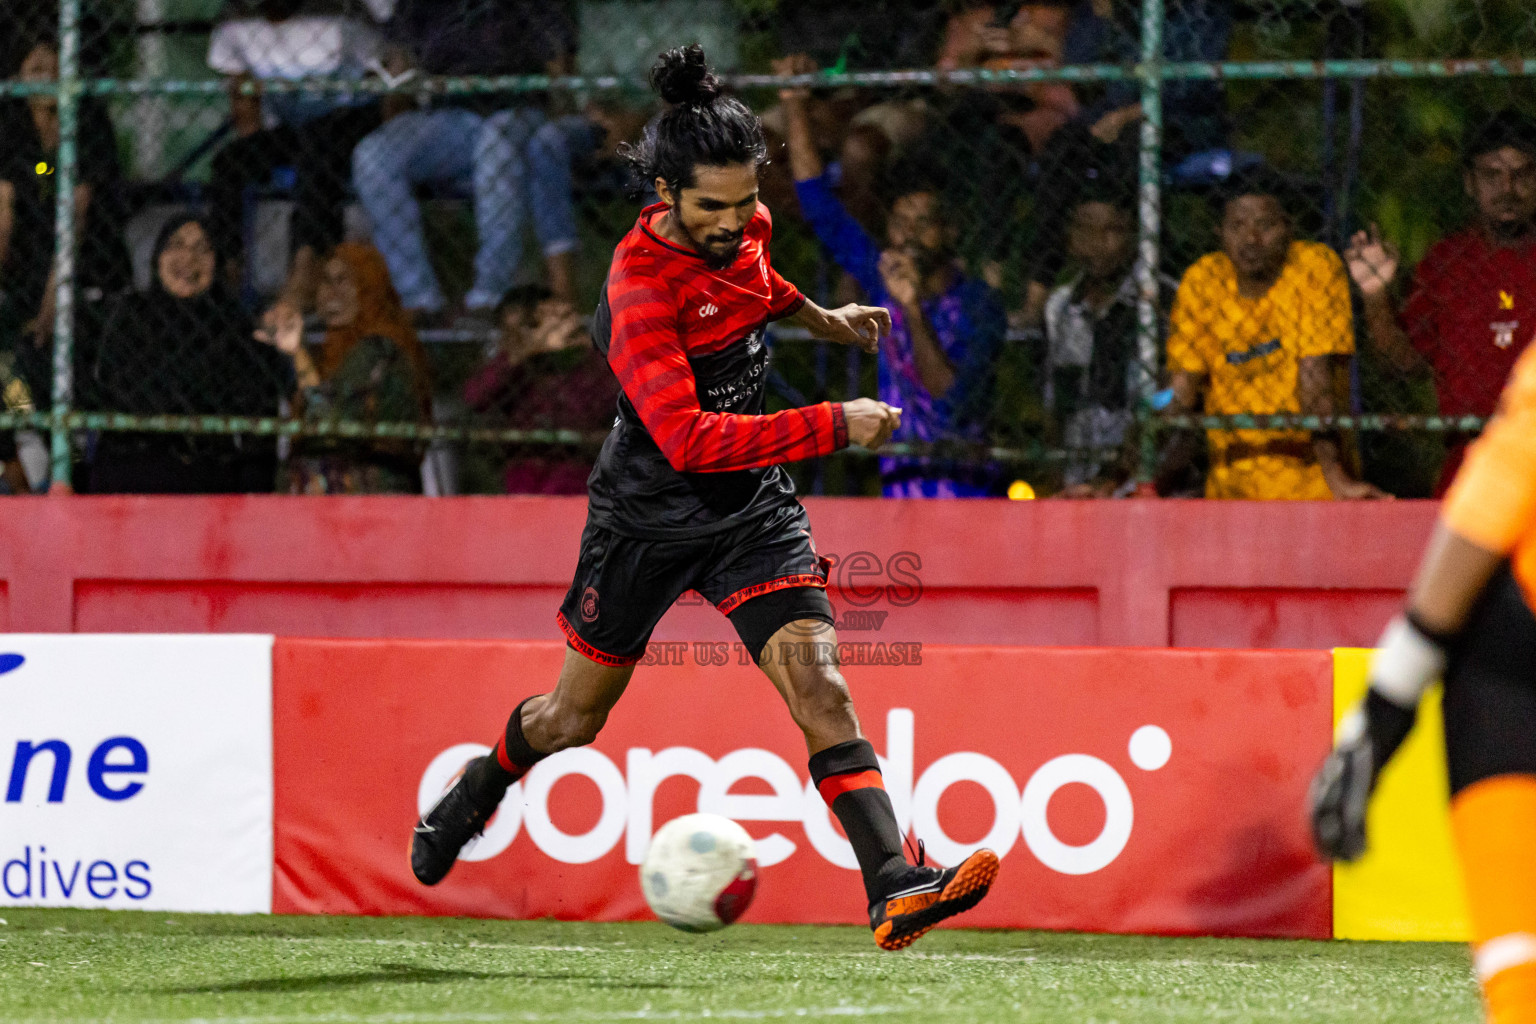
(30, 130)
(1098, 369)
(1257, 328)
(945, 327)
(313, 132)
(184, 348)
(517, 160)
(1472, 308)
(372, 369)
(545, 375)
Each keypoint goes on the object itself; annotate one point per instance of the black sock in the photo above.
(510, 759)
(848, 777)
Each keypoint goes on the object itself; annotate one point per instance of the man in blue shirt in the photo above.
(946, 328)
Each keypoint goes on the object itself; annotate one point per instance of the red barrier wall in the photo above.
(1126, 790)
(1143, 573)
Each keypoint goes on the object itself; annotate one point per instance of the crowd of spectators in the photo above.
(985, 219)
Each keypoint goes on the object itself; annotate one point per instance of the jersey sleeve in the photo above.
(647, 355)
(1186, 325)
(1492, 502)
(1325, 319)
(784, 299)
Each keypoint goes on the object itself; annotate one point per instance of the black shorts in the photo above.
(1490, 689)
(623, 585)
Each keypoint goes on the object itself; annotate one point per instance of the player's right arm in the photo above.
(1490, 508)
(647, 355)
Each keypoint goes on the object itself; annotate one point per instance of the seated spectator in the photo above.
(30, 128)
(945, 327)
(1002, 37)
(545, 375)
(1258, 328)
(183, 348)
(1000, 132)
(1097, 369)
(1098, 143)
(1471, 309)
(372, 369)
(516, 160)
(313, 132)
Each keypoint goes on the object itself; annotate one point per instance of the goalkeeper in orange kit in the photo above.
(1469, 621)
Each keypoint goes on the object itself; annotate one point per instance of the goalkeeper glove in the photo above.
(1408, 658)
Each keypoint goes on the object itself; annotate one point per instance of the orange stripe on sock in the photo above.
(834, 786)
(1494, 822)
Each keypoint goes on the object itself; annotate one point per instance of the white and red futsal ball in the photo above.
(700, 872)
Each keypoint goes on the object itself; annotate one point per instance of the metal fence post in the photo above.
(1150, 212)
(64, 239)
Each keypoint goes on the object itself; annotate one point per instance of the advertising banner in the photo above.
(1127, 790)
(1408, 885)
(137, 772)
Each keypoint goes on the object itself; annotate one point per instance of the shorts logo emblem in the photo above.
(589, 605)
(708, 309)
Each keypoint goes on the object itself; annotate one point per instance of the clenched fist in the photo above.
(870, 423)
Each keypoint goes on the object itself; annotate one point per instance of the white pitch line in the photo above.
(806, 1013)
(535, 948)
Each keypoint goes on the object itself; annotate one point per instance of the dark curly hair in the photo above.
(702, 126)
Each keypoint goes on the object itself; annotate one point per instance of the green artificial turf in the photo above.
(58, 965)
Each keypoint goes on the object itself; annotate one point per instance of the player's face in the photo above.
(1503, 185)
(41, 64)
(337, 295)
(713, 212)
(1256, 235)
(186, 263)
(1100, 239)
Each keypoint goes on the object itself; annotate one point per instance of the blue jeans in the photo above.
(516, 161)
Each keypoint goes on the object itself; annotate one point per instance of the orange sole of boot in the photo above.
(976, 875)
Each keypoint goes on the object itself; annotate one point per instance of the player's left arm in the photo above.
(859, 326)
(1491, 506)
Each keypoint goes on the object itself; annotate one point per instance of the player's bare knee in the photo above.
(819, 700)
(562, 726)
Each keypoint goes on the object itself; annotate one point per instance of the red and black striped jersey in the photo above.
(691, 451)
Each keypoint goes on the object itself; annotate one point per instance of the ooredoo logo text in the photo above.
(627, 800)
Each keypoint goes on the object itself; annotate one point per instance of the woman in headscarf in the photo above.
(183, 348)
(371, 369)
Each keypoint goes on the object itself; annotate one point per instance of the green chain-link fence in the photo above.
(1271, 248)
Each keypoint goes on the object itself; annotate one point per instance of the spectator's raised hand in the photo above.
(1372, 262)
(282, 327)
(898, 270)
(795, 64)
(558, 327)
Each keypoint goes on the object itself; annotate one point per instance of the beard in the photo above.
(716, 258)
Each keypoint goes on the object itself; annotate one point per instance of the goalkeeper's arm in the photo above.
(1410, 655)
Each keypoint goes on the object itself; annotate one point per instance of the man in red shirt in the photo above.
(690, 493)
(1472, 307)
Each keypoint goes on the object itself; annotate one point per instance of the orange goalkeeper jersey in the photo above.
(1493, 500)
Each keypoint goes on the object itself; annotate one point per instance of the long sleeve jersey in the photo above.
(691, 451)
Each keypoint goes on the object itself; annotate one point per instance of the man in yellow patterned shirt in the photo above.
(1257, 328)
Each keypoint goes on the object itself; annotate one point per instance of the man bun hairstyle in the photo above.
(701, 126)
